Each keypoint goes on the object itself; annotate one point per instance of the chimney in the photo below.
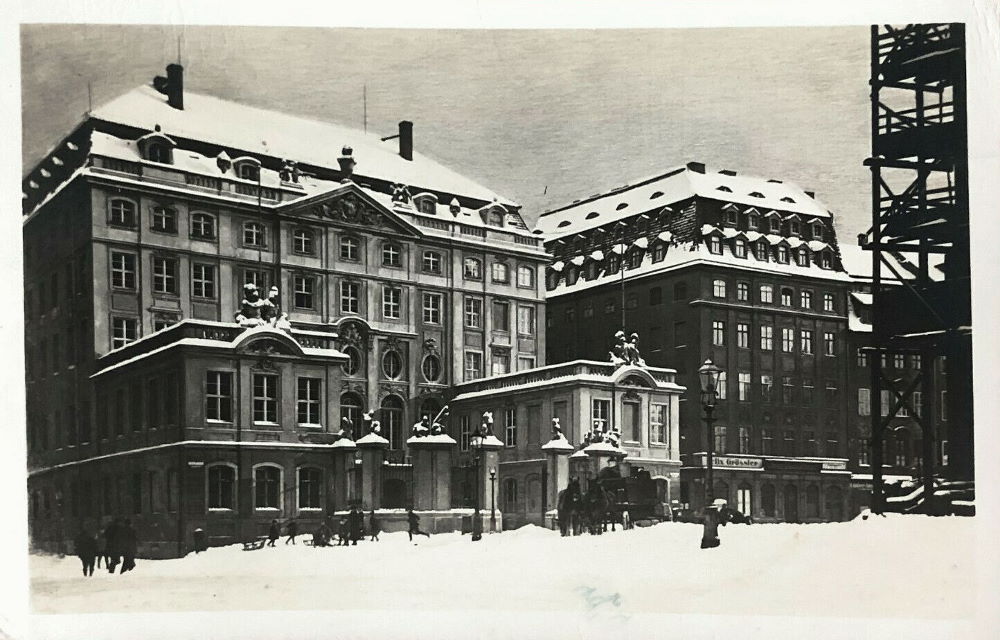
(406, 139)
(347, 162)
(172, 86)
(697, 167)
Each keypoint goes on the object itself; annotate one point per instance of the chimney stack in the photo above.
(697, 167)
(172, 86)
(346, 161)
(406, 139)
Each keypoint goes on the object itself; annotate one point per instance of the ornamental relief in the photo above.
(353, 387)
(388, 389)
(350, 209)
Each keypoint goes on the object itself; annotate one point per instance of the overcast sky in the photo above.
(543, 117)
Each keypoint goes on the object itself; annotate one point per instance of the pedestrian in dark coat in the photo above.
(374, 525)
(344, 532)
(112, 545)
(357, 521)
(414, 521)
(86, 549)
(273, 533)
(293, 530)
(129, 545)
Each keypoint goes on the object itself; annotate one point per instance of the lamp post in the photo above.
(477, 456)
(708, 375)
(493, 500)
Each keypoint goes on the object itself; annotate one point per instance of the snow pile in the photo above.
(897, 566)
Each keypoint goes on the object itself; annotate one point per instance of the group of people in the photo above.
(350, 529)
(116, 544)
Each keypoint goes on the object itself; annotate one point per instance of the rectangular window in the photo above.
(807, 341)
(310, 488)
(525, 321)
(864, 451)
(253, 235)
(884, 402)
(165, 275)
(203, 281)
(918, 403)
(766, 387)
(472, 269)
(255, 277)
(474, 313)
(742, 292)
(807, 391)
(431, 262)
(718, 333)
(473, 365)
(265, 398)
(831, 392)
(680, 334)
(787, 339)
(743, 335)
(787, 390)
(465, 433)
(864, 402)
(828, 302)
(658, 420)
(915, 362)
(501, 316)
(862, 358)
(525, 277)
(600, 416)
(719, 288)
(510, 427)
(501, 363)
(767, 442)
(305, 289)
(715, 245)
(786, 297)
(432, 308)
(719, 439)
(123, 331)
(766, 293)
(219, 396)
(766, 337)
(302, 241)
(899, 361)
(308, 401)
(832, 444)
(944, 407)
(789, 448)
(392, 256)
(350, 249)
(501, 272)
(809, 443)
(744, 443)
(829, 344)
(392, 298)
(122, 270)
(806, 299)
(350, 297)
(525, 362)
(721, 390)
(744, 386)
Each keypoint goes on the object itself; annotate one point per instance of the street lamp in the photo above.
(709, 375)
(493, 500)
(476, 444)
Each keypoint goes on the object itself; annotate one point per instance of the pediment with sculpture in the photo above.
(350, 206)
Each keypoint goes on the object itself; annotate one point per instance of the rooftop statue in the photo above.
(422, 428)
(632, 356)
(400, 193)
(250, 314)
(346, 429)
(557, 432)
(626, 353)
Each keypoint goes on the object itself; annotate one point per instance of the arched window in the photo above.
(355, 361)
(392, 365)
(495, 218)
(767, 499)
(310, 488)
(221, 486)
(203, 226)
(351, 407)
(431, 368)
(248, 169)
(122, 213)
(744, 499)
(509, 494)
(812, 501)
(267, 491)
(392, 421)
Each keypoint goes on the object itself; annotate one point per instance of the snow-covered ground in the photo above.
(899, 566)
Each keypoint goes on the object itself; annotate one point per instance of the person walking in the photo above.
(343, 533)
(112, 545)
(293, 530)
(374, 525)
(273, 533)
(85, 546)
(129, 546)
(414, 521)
(357, 522)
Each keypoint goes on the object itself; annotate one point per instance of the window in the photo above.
(350, 296)
(680, 334)
(525, 277)
(807, 341)
(744, 386)
(828, 302)
(302, 241)
(122, 270)
(632, 301)
(473, 365)
(256, 278)
(826, 260)
(431, 368)
(265, 398)
(123, 331)
(775, 225)
(501, 316)
(915, 361)
(783, 254)
(123, 213)
(864, 402)
(766, 386)
(501, 363)
(156, 152)
(862, 357)
(354, 361)
(864, 451)
(659, 252)
(305, 287)
(392, 255)
(501, 272)
(525, 362)
(350, 249)
(351, 407)
(253, 234)
(744, 440)
(248, 170)
(787, 390)
(472, 269)
(885, 402)
(719, 288)
(740, 248)
(601, 415)
(718, 333)
(221, 487)
(203, 281)
(473, 313)
(743, 335)
(267, 487)
(164, 219)
(203, 226)
(786, 297)
(807, 391)
(899, 361)
(219, 396)
(767, 442)
(715, 245)
(432, 308)
(431, 262)
(789, 444)
(753, 221)
(310, 488)
(165, 275)
(829, 344)
(721, 390)
(831, 392)
(659, 418)
(744, 500)
(794, 227)
(742, 292)
(802, 258)
(944, 407)
(787, 339)
(680, 291)
(809, 443)
(766, 337)
(817, 231)
(308, 401)
(918, 403)
(510, 427)
(832, 444)
(766, 293)
(525, 320)
(719, 439)
(510, 494)
(655, 296)
(392, 365)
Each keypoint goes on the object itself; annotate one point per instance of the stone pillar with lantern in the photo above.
(485, 447)
(372, 449)
(557, 453)
(343, 466)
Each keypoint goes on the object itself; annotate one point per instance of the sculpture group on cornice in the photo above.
(626, 352)
(256, 311)
(429, 427)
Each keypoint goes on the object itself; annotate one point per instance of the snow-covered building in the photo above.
(162, 204)
(745, 271)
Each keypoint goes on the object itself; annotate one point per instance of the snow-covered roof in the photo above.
(671, 187)
(281, 135)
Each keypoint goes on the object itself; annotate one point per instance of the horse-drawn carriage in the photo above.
(607, 499)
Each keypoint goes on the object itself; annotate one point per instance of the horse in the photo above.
(597, 506)
(568, 507)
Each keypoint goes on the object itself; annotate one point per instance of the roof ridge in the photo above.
(628, 187)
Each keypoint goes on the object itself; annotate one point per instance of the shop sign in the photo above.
(732, 462)
(835, 465)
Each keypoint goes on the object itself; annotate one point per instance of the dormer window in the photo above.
(753, 221)
(731, 217)
(634, 259)
(157, 152)
(756, 194)
(715, 245)
(614, 264)
(740, 248)
(156, 147)
(723, 188)
(817, 230)
(659, 252)
(794, 227)
(788, 199)
(495, 218)
(247, 168)
(775, 225)
(760, 250)
(802, 258)
(826, 260)
(426, 203)
(783, 254)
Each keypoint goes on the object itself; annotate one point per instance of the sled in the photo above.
(253, 545)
